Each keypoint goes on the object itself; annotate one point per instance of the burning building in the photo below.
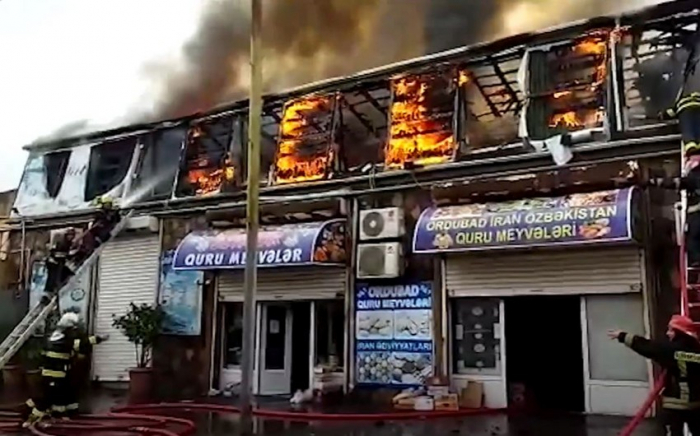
(306, 144)
(421, 122)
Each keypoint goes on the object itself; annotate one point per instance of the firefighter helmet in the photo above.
(684, 325)
(68, 320)
(103, 202)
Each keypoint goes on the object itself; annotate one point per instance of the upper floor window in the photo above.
(206, 167)
(421, 126)
(108, 166)
(55, 166)
(567, 86)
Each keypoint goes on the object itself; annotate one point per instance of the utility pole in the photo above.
(252, 217)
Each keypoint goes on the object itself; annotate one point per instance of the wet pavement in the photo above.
(209, 424)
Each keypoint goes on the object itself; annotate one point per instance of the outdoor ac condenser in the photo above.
(379, 261)
(387, 223)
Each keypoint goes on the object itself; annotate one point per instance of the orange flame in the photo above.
(573, 120)
(415, 134)
(290, 165)
(206, 182)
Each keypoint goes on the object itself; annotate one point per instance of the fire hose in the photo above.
(113, 422)
(641, 413)
(136, 418)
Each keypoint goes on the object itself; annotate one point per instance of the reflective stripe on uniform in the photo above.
(58, 408)
(76, 345)
(55, 355)
(693, 208)
(53, 374)
(30, 403)
(93, 340)
(684, 356)
(72, 406)
(679, 404)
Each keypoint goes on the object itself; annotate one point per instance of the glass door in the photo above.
(276, 349)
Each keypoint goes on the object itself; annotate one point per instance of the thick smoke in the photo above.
(308, 40)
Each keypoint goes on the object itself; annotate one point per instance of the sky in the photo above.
(66, 60)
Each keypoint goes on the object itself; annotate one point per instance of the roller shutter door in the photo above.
(601, 270)
(287, 283)
(128, 272)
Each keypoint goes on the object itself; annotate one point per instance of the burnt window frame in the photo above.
(330, 138)
(95, 183)
(450, 70)
(182, 191)
(150, 161)
(53, 180)
(541, 87)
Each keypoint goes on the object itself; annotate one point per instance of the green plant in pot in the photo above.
(141, 324)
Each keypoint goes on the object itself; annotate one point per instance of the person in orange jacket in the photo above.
(679, 354)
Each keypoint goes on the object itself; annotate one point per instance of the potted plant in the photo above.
(141, 324)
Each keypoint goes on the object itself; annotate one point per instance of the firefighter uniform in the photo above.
(687, 106)
(106, 218)
(57, 271)
(680, 356)
(59, 381)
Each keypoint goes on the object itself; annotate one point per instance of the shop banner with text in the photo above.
(181, 299)
(575, 219)
(286, 245)
(393, 334)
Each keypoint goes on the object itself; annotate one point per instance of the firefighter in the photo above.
(107, 216)
(687, 106)
(679, 354)
(60, 386)
(103, 224)
(57, 270)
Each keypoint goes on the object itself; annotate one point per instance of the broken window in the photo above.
(306, 147)
(490, 106)
(421, 120)
(566, 86)
(109, 165)
(55, 165)
(158, 164)
(206, 167)
(363, 127)
(653, 58)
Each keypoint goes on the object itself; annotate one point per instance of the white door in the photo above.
(478, 346)
(276, 349)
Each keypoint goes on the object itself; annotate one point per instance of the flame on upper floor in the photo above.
(419, 132)
(304, 151)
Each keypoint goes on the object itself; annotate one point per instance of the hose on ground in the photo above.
(641, 413)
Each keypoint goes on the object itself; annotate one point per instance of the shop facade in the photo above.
(531, 287)
(300, 303)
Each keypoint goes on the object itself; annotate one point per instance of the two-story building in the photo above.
(472, 214)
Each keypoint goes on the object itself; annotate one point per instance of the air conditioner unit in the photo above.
(381, 223)
(142, 223)
(379, 261)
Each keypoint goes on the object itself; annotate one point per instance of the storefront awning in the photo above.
(286, 245)
(575, 219)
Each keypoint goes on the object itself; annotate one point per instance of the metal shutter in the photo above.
(128, 272)
(602, 270)
(287, 283)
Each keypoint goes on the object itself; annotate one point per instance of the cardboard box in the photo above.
(438, 391)
(406, 403)
(472, 397)
(424, 403)
(447, 402)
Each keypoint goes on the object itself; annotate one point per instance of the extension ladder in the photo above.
(689, 276)
(24, 330)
